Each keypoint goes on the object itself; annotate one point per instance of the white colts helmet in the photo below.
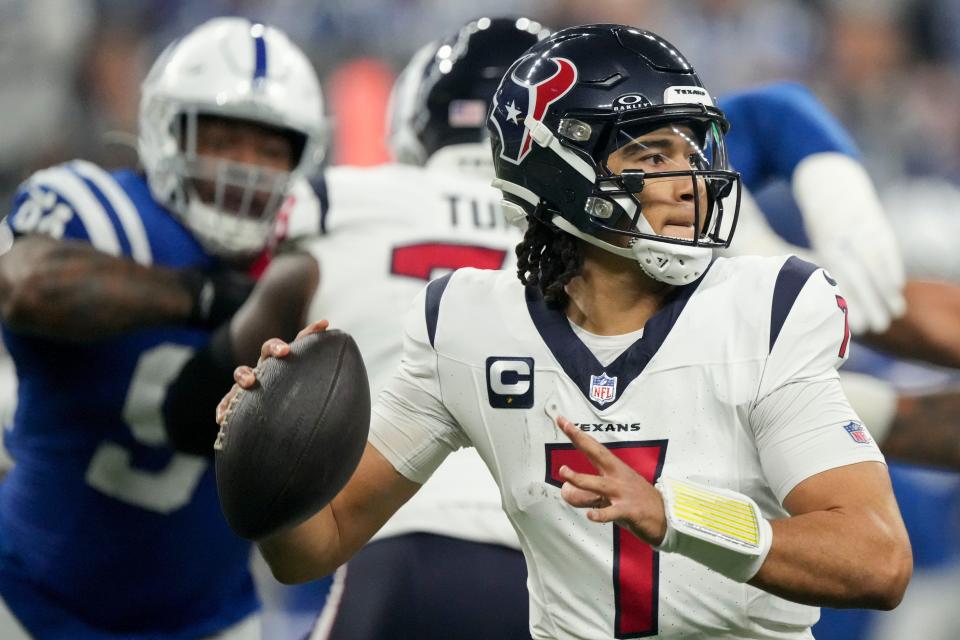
(229, 68)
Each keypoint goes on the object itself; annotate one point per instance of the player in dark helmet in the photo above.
(564, 111)
(689, 409)
(441, 99)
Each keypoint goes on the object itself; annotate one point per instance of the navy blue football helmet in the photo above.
(443, 95)
(580, 95)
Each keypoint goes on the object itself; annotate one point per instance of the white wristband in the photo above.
(721, 529)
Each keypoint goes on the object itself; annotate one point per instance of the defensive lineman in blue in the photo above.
(118, 290)
(99, 517)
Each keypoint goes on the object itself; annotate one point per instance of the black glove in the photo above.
(217, 295)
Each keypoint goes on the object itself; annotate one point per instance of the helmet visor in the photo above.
(672, 181)
(245, 191)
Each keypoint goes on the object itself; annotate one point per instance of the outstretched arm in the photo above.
(926, 430)
(929, 329)
(68, 290)
(781, 131)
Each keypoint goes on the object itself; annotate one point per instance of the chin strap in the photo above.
(664, 262)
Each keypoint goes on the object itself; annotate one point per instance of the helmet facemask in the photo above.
(663, 171)
(690, 158)
(230, 206)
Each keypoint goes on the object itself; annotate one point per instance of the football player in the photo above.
(114, 282)
(850, 232)
(432, 212)
(838, 219)
(691, 406)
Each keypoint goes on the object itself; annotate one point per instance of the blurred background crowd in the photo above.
(70, 71)
(888, 69)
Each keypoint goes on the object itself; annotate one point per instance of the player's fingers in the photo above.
(587, 481)
(314, 327)
(581, 498)
(602, 514)
(883, 302)
(244, 376)
(865, 311)
(896, 303)
(888, 280)
(275, 348)
(598, 454)
(223, 407)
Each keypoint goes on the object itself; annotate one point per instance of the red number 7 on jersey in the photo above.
(423, 259)
(636, 566)
(846, 326)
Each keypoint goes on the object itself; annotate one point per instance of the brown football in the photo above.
(292, 441)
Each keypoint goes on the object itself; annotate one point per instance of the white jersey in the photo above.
(389, 230)
(733, 384)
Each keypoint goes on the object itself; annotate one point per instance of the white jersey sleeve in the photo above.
(802, 420)
(410, 425)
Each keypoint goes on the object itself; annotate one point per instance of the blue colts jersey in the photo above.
(772, 129)
(104, 530)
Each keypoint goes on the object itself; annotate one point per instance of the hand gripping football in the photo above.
(290, 443)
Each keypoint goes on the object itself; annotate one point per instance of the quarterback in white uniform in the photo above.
(690, 406)
(712, 392)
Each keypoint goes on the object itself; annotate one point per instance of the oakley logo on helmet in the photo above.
(517, 101)
(630, 101)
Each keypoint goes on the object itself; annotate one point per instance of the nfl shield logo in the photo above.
(857, 432)
(603, 389)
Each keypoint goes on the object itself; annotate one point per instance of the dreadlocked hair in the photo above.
(548, 259)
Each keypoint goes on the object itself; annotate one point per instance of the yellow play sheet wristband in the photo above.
(721, 529)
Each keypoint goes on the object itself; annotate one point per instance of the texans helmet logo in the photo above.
(519, 100)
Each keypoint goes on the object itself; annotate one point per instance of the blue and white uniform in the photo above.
(105, 532)
(813, 190)
(776, 127)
